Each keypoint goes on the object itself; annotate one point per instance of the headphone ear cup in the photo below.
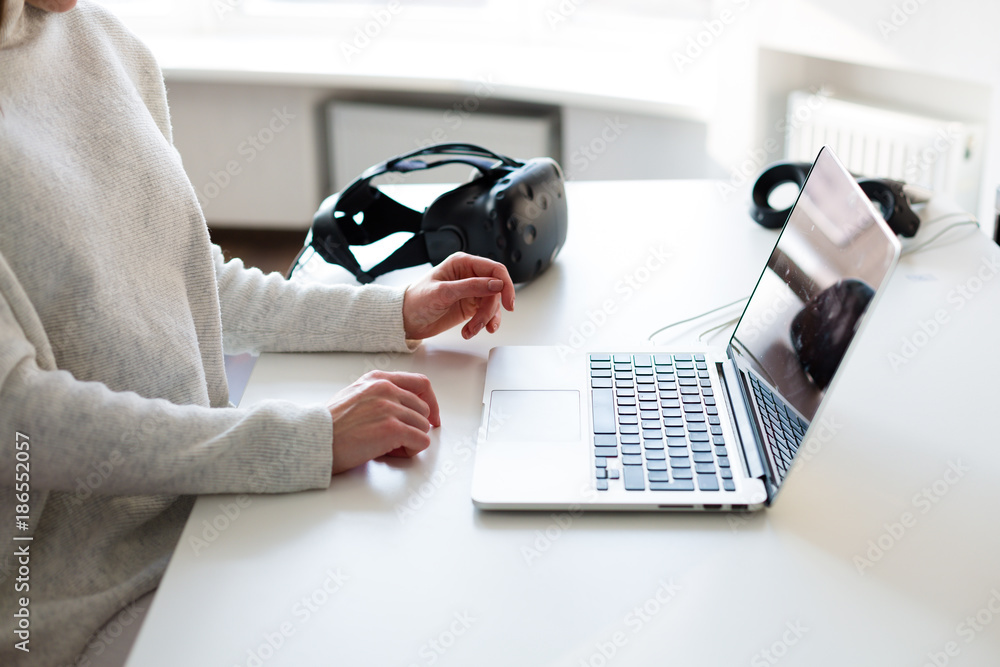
(778, 174)
(889, 197)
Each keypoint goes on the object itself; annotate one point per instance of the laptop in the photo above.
(711, 430)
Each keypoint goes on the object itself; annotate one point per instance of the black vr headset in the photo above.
(892, 198)
(511, 212)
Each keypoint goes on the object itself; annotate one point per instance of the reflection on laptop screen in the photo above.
(831, 258)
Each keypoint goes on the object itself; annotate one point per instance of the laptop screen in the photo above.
(830, 260)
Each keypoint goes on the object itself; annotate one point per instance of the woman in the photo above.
(115, 309)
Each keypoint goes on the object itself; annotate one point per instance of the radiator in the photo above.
(944, 155)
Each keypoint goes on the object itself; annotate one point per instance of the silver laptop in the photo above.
(714, 430)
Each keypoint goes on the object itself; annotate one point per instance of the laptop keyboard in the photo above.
(783, 427)
(656, 424)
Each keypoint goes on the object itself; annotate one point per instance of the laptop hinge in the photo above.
(744, 429)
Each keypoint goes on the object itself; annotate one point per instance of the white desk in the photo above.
(346, 577)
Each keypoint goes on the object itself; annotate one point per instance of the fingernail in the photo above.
(495, 285)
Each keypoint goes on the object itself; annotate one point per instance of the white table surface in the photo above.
(392, 565)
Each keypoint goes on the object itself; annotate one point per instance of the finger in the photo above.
(484, 315)
(411, 443)
(418, 385)
(466, 265)
(494, 323)
(408, 417)
(470, 288)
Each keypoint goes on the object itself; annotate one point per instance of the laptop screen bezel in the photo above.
(743, 368)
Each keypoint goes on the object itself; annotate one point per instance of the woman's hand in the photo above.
(382, 413)
(462, 288)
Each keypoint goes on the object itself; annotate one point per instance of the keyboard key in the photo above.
(628, 419)
(701, 447)
(676, 485)
(600, 373)
(673, 422)
(698, 437)
(602, 485)
(714, 420)
(633, 478)
(623, 358)
(694, 427)
(694, 417)
(718, 439)
(627, 410)
(642, 360)
(600, 462)
(728, 485)
(624, 392)
(699, 357)
(720, 450)
(671, 412)
(652, 444)
(704, 468)
(602, 473)
(629, 460)
(692, 408)
(679, 463)
(685, 373)
(655, 454)
(650, 434)
(674, 432)
(727, 473)
(604, 411)
(631, 449)
(708, 483)
(613, 474)
(644, 371)
(650, 414)
(709, 400)
(625, 400)
(662, 359)
(681, 473)
(677, 451)
(716, 430)
(600, 383)
(688, 390)
(600, 357)
(658, 476)
(630, 440)
(700, 457)
(611, 452)
(630, 429)
(624, 383)
(605, 440)
(656, 465)
(691, 399)
(651, 424)
(723, 462)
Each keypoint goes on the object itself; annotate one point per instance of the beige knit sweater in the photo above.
(114, 310)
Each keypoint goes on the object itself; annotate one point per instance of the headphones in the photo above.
(892, 198)
(512, 212)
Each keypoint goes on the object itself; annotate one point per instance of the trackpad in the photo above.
(547, 416)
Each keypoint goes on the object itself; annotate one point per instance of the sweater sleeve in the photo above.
(130, 445)
(270, 314)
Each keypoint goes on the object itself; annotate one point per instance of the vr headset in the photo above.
(892, 198)
(512, 212)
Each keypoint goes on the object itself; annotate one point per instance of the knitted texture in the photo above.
(114, 311)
